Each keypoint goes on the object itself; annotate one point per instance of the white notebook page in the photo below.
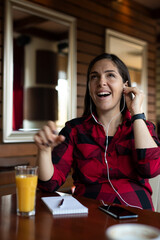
(70, 205)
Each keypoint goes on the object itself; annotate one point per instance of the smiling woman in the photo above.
(105, 86)
(133, 53)
(39, 55)
(113, 69)
(105, 147)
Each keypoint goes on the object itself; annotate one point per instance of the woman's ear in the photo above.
(125, 84)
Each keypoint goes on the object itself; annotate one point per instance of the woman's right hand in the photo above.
(47, 138)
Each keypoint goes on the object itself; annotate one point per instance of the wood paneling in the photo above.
(13, 150)
(93, 17)
(7, 173)
(158, 89)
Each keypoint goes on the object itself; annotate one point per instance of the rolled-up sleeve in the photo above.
(147, 160)
(62, 158)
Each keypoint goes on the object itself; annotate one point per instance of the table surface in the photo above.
(45, 226)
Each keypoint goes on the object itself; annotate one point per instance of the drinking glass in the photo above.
(26, 185)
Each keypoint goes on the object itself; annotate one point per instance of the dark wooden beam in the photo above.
(31, 26)
(156, 13)
(27, 22)
(47, 35)
(158, 38)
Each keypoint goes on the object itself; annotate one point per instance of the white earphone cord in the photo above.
(105, 153)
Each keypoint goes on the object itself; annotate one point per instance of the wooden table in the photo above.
(45, 226)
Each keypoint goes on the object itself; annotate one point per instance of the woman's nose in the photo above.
(102, 81)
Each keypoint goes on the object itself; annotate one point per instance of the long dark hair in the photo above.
(123, 71)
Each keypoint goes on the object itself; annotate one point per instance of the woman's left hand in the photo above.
(134, 99)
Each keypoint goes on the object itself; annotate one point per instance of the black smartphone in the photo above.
(118, 212)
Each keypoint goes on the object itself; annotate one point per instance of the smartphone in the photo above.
(118, 212)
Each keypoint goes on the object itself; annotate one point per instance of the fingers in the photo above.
(133, 90)
(52, 127)
(47, 136)
(135, 103)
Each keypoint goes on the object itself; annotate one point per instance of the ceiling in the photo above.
(152, 4)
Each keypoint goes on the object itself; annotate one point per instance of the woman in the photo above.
(112, 149)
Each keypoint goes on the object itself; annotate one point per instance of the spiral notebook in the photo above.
(69, 205)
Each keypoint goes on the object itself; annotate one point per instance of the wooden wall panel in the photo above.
(158, 89)
(90, 27)
(13, 150)
(93, 17)
(1, 61)
(81, 79)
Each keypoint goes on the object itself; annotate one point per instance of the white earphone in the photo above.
(106, 147)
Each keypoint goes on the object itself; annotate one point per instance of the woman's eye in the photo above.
(111, 75)
(94, 77)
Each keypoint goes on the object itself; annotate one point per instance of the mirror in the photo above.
(133, 52)
(39, 69)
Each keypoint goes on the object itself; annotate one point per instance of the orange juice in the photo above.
(26, 191)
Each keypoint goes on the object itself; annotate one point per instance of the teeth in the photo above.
(103, 94)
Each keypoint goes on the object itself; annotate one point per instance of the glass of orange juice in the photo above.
(26, 185)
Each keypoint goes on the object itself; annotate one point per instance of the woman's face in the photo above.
(105, 86)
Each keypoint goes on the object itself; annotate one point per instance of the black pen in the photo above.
(61, 203)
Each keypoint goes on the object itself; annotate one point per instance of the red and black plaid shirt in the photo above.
(129, 168)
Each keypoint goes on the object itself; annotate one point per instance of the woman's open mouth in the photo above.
(103, 94)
